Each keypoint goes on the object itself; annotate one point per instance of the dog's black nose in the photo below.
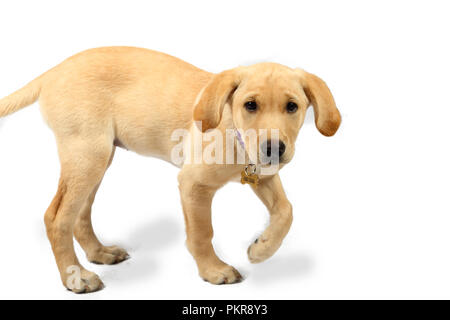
(269, 148)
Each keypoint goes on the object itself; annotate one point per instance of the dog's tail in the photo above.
(21, 98)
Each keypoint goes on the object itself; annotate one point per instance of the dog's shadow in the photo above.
(281, 268)
(148, 240)
(156, 235)
(143, 246)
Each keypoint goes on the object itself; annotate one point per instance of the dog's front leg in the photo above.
(271, 193)
(196, 198)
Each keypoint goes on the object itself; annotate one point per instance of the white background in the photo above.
(371, 210)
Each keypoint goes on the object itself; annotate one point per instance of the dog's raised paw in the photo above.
(221, 275)
(261, 250)
(108, 255)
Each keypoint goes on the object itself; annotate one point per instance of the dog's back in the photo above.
(120, 88)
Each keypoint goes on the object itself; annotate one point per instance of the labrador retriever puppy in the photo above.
(136, 99)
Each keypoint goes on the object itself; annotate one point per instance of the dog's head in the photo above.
(268, 96)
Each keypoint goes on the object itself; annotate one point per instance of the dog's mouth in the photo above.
(276, 160)
(271, 166)
(272, 161)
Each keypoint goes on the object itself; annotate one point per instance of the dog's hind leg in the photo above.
(84, 233)
(271, 193)
(83, 164)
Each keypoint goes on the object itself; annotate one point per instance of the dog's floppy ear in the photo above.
(209, 105)
(326, 114)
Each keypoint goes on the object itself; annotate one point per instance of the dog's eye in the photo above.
(291, 107)
(251, 106)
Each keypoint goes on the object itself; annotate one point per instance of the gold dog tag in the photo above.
(250, 178)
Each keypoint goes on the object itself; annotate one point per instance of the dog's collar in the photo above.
(248, 175)
(241, 142)
(239, 139)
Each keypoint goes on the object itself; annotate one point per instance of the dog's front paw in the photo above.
(262, 249)
(84, 282)
(108, 255)
(223, 274)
